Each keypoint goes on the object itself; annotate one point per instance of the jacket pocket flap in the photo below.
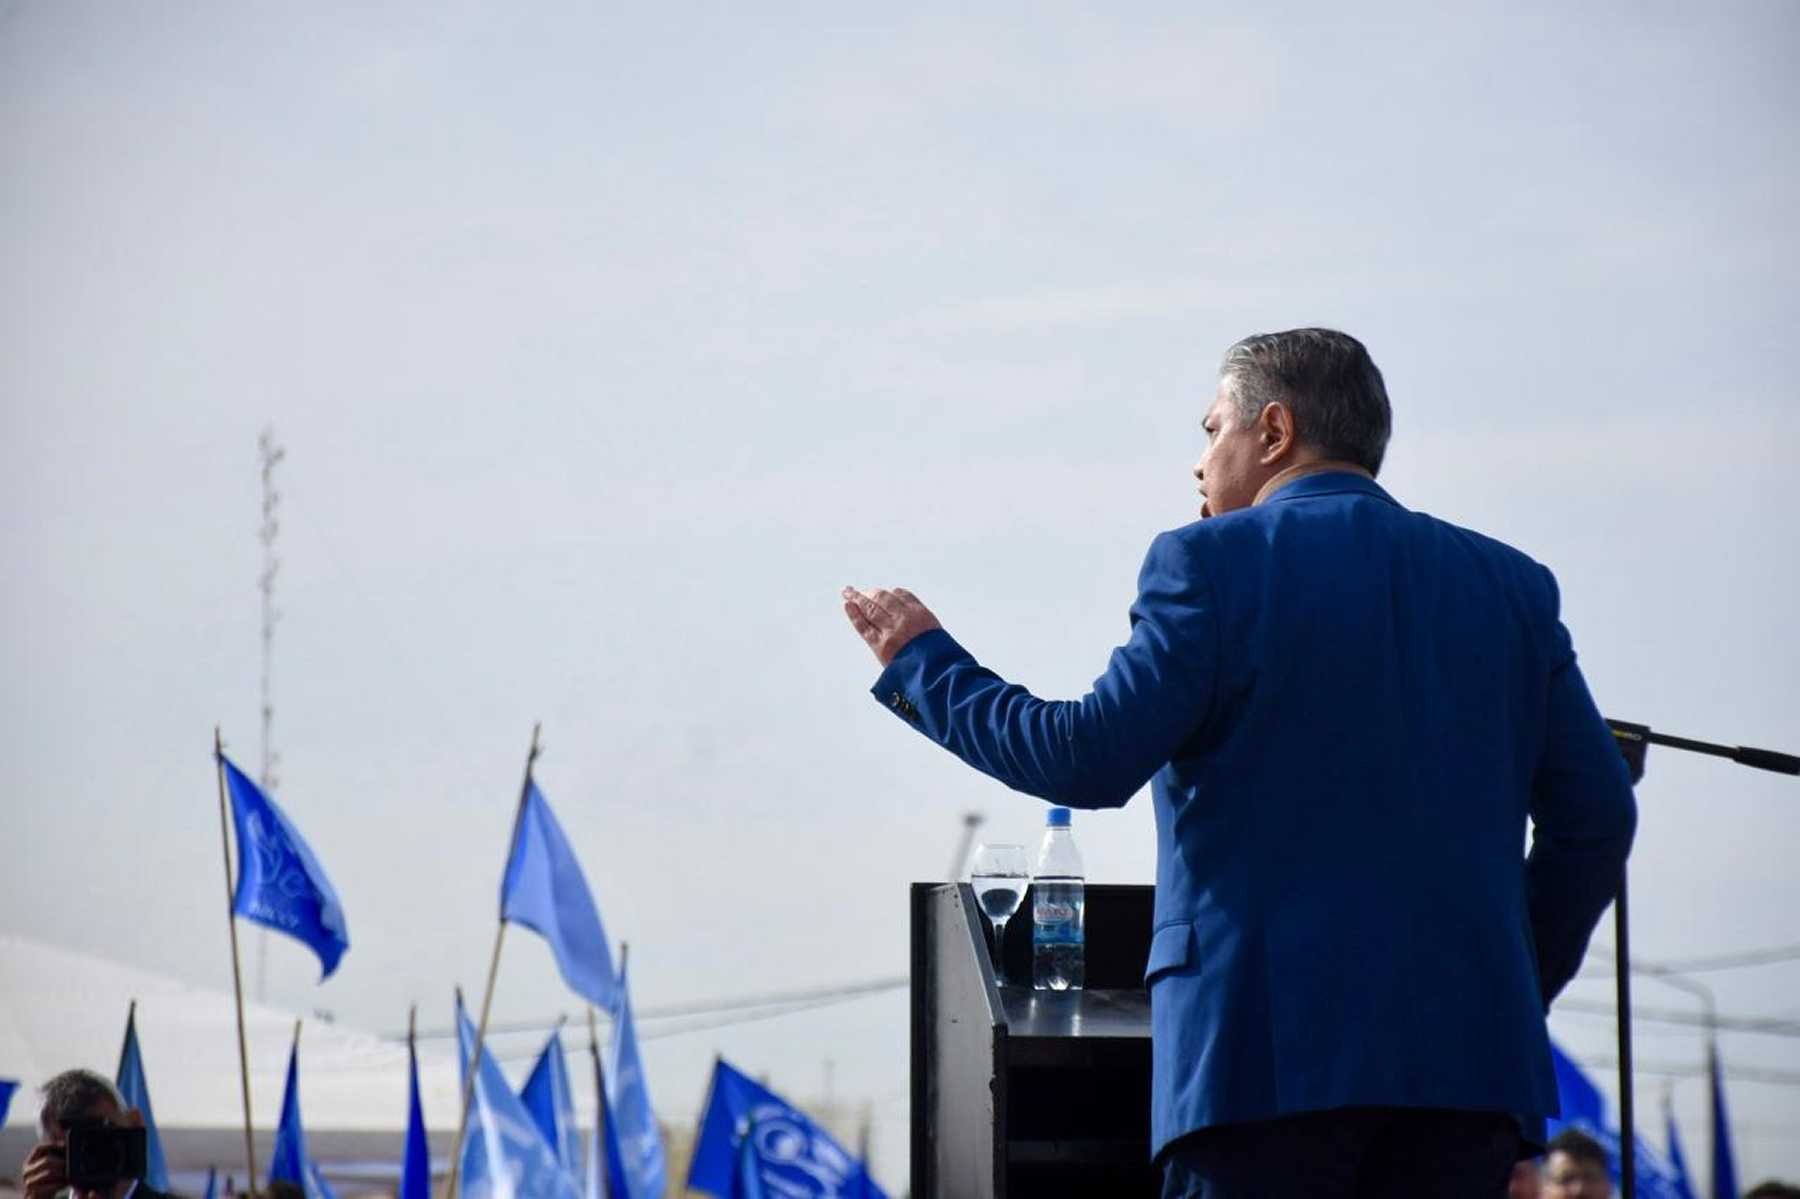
(1168, 950)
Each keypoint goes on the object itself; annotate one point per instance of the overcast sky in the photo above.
(606, 345)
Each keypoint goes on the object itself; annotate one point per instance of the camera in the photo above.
(100, 1155)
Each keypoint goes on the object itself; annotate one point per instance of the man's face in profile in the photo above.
(1567, 1177)
(1229, 471)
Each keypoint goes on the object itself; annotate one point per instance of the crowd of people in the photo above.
(1577, 1167)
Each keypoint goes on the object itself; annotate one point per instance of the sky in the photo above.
(606, 345)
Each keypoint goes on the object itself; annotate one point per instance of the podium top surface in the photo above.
(1066, 1015)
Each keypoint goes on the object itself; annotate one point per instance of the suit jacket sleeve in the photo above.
(1583, 817)
(1094, 752)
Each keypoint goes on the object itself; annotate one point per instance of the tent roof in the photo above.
(60, 1009)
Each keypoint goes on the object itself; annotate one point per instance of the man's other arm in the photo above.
(1583, 816)
(1094, 752)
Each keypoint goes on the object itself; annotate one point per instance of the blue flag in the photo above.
(504, 1154)
(280, 883)
(545, 891)
(1724, 1167)
(605, 1165)
(1584, 1108)
(134, 1089)
(793, 1156)
(628, 1103)
(547, 1096)
(415, 1166)
(212, 1183)
(7, 1087)
(747, 1182)
(291, 1162)
(1682, 1185)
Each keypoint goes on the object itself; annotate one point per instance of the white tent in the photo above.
(60, 1009)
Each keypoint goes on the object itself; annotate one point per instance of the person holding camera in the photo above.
(89, 1143)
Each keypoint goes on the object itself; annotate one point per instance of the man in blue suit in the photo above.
(1347, 712)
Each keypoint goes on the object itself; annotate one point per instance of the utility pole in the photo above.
(271, 455)
(960, 862)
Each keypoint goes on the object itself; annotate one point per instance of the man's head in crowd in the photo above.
(74, 1099)
(1526, 1182)
(1576, 1168)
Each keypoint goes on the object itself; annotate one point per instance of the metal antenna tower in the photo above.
(271, 455)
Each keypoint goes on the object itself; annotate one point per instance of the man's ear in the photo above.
(1274, 433)
(133, 1118)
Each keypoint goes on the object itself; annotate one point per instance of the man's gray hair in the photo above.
(1326, 379)
(72, 1095)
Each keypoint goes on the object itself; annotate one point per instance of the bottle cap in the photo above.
(1059, 818)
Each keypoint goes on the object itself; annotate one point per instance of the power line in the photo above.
(1779, 1078)
(797, 1000)
(1770, 1026)
(1720, 961)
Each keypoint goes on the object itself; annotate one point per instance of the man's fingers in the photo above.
(887, 602)
(854, 612)
(865, 603)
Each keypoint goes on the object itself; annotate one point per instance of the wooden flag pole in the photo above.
(473, 1064)
(237, 974)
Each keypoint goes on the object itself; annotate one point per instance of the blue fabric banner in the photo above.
(291, 1163)
(547, 1096)
(134, 1089)
(504, 1154)
(628, 1102)
(545, 891)
(1683, 1186)
(415, 1165)
(747, 1183)
(280, 883)
(793, 1156)
(1724, 1165)
(7, 1087)
(212, 1183)
(1585, 1108)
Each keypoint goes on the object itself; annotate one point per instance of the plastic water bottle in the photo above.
(1058, 906)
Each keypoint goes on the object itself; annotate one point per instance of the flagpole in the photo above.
(599, 1105)
(237, 973)
(454, 1190)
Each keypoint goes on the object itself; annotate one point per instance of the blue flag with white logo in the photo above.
(134, 1089)
(544, 890)
(280, 883)
(547, 1096)
(504, 1154)
(640, 1142)
(7, 1087)
(291, 1162)
(415, 1166)
(1683, 1186)
(1724, 1167)
(793, 1157)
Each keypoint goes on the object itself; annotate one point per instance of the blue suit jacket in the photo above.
(1346, 712)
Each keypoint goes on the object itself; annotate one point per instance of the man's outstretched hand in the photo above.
(887, 619)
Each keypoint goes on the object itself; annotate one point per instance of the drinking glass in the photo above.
(999, 874)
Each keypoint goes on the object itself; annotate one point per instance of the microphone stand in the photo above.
(1634, 741)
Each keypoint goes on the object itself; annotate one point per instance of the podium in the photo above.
(1017, 1092)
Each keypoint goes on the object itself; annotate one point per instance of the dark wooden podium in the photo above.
(1026, 1093)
